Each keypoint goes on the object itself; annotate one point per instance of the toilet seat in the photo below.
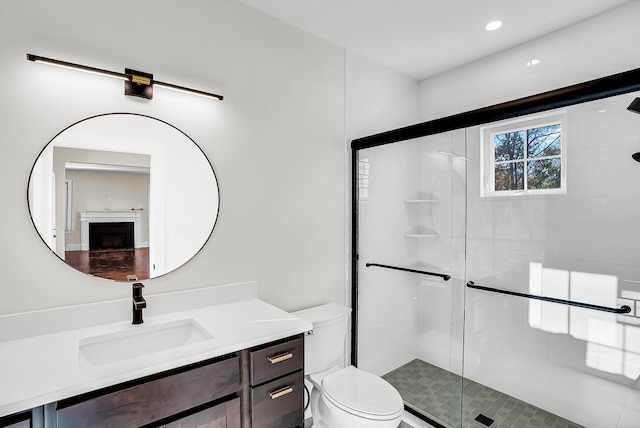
(362, 394)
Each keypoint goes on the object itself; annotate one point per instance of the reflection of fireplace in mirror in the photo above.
(111, 246)
(117, 235)
(90, 219)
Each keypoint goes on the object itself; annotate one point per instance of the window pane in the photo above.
(544, 174)
(544, 141)
(509, 146)
(509, 176)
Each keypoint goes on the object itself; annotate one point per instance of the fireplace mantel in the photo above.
(110, 216)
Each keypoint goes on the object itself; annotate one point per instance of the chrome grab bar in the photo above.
(441, 275)
(624, 309)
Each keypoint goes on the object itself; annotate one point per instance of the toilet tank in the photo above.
(324, 348)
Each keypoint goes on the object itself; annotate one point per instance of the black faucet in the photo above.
(138, 303)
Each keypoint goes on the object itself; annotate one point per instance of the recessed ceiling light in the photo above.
(493, 25)
(533, 62)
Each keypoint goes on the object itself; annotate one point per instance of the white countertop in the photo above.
(41, 369)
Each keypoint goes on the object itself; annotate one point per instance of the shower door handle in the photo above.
(624, 309)
(444, 276)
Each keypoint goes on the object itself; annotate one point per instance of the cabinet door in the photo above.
(225, 415)
(279, 403)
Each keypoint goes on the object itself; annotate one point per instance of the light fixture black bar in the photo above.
(422, 272)
(65, 64)
(624, 309)
(187, 90)
(131, 77)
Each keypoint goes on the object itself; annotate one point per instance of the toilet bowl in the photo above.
(353, 398)
(343, 397)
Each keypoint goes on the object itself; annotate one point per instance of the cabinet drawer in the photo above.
(276, 360)
(154, 399)
(278, 404)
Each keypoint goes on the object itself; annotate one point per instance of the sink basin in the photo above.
(141, 340)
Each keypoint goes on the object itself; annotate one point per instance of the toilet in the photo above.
(343, 397)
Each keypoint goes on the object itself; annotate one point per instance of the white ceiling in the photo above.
(422, 38)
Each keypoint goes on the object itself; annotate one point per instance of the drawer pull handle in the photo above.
(279, 358)
(280, 392)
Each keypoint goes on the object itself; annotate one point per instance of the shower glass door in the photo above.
(553, 209)
(497, 270)
(411, 237)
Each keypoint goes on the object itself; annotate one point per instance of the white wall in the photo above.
(606, 44)
(276, 141)
(379, 99)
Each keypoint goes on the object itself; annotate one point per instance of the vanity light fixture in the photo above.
(136, 83)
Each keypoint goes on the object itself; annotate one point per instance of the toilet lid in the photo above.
(359, 392)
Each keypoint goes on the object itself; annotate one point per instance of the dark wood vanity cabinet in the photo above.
(261, 387)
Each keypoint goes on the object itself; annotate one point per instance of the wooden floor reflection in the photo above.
(115, 264)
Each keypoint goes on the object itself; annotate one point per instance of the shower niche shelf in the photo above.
(422, 198)
(418, 201)
(421, 233)
(421, 201)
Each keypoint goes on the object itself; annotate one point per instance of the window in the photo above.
(524, 157)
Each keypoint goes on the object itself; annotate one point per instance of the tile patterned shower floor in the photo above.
(435, 391)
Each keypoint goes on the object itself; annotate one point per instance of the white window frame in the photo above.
(487, 152)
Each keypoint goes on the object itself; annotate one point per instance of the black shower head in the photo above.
(636, 156)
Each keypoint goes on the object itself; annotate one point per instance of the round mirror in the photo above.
(123, 196)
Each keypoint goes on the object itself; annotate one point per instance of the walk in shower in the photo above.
(496, 267)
